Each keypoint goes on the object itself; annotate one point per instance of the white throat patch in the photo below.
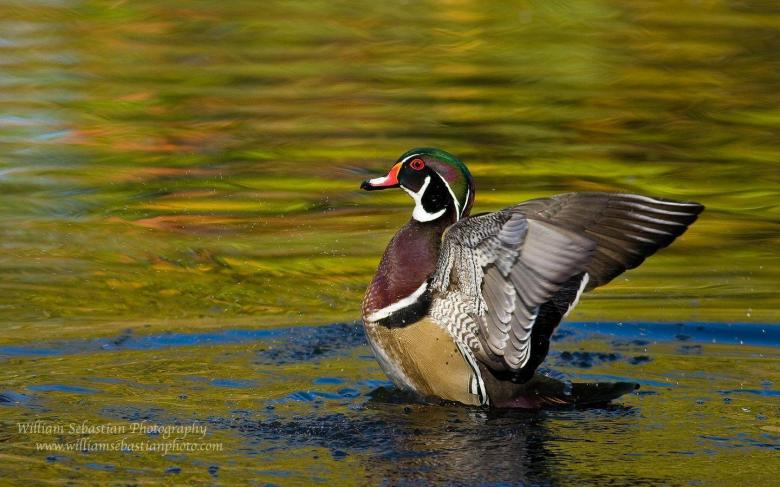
(419, 213)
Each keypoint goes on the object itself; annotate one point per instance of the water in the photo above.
(294, 405)
(179, 214)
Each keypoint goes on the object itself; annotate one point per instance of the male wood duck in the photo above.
(462, 307)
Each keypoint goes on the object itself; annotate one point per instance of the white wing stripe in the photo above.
(583, 283)
(481, 392)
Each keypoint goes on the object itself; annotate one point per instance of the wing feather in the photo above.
(627, 228)
(501, 268)
(524, 263)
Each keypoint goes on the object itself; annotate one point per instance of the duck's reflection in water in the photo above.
(403, 442)
(434, 443)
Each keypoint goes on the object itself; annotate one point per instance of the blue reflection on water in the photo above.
(315, 340)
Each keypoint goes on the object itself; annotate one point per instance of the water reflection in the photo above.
(437, 445)
(414, 443)
(312, 401)
(179, 162)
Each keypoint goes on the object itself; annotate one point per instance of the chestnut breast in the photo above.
(408, 261)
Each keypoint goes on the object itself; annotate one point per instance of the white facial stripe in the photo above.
(409, 157)
(398, 305)
(419, 212)
(457, 204)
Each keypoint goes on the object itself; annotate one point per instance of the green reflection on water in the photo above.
(170, 162)
(167, 166)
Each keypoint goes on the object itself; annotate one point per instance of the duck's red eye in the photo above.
(417, 164)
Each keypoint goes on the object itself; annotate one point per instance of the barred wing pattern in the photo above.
(494, 273)
(496, 270)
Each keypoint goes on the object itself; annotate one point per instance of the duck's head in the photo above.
(438, 182)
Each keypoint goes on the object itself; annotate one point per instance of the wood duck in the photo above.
(462, 307)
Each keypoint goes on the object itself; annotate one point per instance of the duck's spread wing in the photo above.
(627, 228)
(498, 269)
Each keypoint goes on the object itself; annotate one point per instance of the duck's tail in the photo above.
(546, 392)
